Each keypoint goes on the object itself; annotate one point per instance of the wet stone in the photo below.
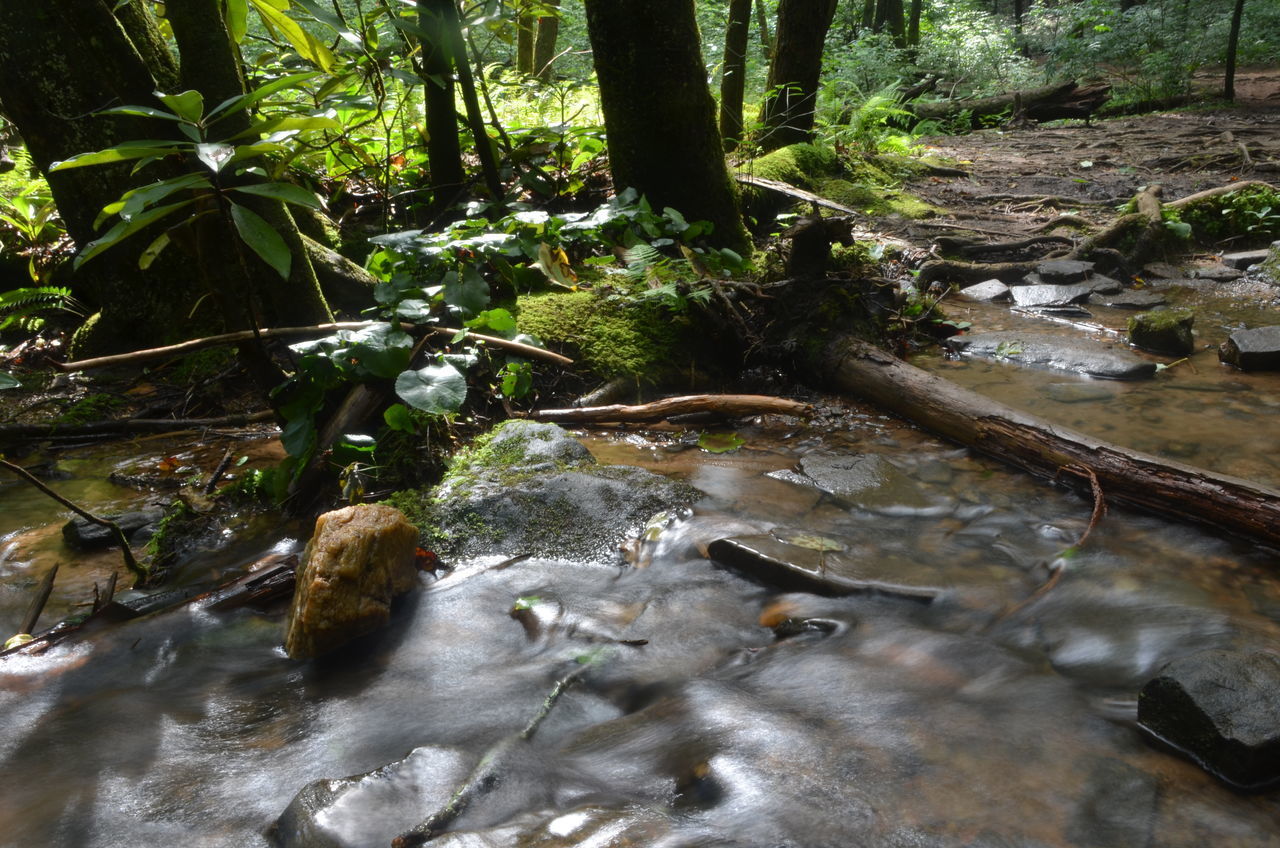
(1216, 271)
(1131, 300)
(1167, 331)
(1163, 270)
(85, 535)
(360, 558)
(868, 480)
(1103, 285)
(1244, 259)
(1031, 297)
(1257, 349)
(819, 569)
(1064, 271)
(986, 292)
(1048, 351)
(1221, 708)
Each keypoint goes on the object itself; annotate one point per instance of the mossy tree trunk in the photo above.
(733, 81)
(659, 114)
(792, 89)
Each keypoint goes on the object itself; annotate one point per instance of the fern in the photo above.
(22, 307)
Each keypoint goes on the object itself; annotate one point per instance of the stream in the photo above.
(711, 710)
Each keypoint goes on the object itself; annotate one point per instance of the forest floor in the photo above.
(1022, 178)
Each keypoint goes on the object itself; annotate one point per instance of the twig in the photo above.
(193, 345)
(218, 472)
(163, 425)
(140, 572)
(1099, 501)
(730, 405)
(486, 773)
(37, 603)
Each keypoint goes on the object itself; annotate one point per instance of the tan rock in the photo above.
(360, 558)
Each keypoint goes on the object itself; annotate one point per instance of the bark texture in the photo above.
(659, 113)
(734, 78)
(792, 89)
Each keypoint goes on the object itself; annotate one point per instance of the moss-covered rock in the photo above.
(532, 488)
(1167, 331)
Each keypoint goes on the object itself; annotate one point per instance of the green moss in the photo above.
(611, 339)
(798, 164)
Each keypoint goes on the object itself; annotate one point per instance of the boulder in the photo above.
(1222, 709)
(986, 292)
(531, 488)
(1244, 258)
(1103, 285)
(87, 536)
(1252, 350)
(360, 558)
(1034, 297)
(1165, 331)
(1064, 271)
(1049, 351)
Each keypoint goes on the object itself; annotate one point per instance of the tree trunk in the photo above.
(659, 114)
(444, 152)
(792, 89)
(1161, 486)
(895, 22)
(544, 46)
(913, 24)
(1233, 45)
(526, 28)
(734, 78)
(484, 147)
(1051, 102)
(766, 39)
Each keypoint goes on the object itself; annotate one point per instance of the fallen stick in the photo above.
(37, 603)
(137, 425)
(182, 348)
(728, 405)
(1161, 486)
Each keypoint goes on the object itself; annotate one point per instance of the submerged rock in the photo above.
(1221, 708)
(360, 558)
(868, 480)
(531, 488)
(1131, 300)
(87, 536)
(1167, 331)
(1049, 351)
(1252, 350)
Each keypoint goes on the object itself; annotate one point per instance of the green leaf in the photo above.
(124, 229)
(235, 104)
(237, 19)
(187, 105)
(135, 200)
(8, 381)
(306, 44)
(298, 436)
(153, 250)
(720, 442)
(120, 153)
(288, 123)
(468, 292)
(438, 389)
(500, 321)
(398, 417)
(286, 192)
(142, 112)
(262, 239)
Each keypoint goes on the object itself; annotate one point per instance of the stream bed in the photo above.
(710, 710)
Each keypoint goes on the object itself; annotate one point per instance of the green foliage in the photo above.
(1252, 212)
(30, 227)
(24, 308)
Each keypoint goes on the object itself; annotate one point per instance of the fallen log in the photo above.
(1047, 103)
(727, 405)
(1161, 486)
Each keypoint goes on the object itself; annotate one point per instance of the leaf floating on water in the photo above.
(812, 541)
(720, 442)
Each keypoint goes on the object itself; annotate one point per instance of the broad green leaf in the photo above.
(119, 153)
(286, 192)
(134, 201)
(469, 292)
(499, 321)
(299, 435)
(398, 417)
(306, 44)
(244, 101)
(187, 105)
(380, 350)
(288, 123)
(720, 442)
(8, 381)
(141, 111)
(124, 229)
(153, 250)
(237, 19)
(438, 389)
(262, 239)
(215, 155)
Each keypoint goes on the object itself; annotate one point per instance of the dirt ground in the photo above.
(1023, 178)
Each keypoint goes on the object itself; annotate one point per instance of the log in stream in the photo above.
(1159, 485)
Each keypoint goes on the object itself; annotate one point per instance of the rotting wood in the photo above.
(130, 425)
(1161, 486)
(182, 348)
(38, 601)
(726, 405)
(1051, 102)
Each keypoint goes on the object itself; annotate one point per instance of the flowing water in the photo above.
(708, 710)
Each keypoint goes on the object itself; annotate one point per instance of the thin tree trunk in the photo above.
(475, 119)
(1233, 46)
(913, 24)
(734, 78)
(526, 27)
(896, 22)
(766, 39)
(659, 113)
(444, 153)
(792, 89)
(544, 46)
